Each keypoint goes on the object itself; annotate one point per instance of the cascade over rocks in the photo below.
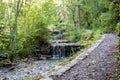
(59, 48)
(62, 48)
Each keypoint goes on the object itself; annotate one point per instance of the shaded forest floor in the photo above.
(99, 65)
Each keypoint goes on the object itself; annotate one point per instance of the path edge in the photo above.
(59, 70)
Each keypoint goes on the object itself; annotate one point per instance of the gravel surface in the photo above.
(99, 65)
(24, 70)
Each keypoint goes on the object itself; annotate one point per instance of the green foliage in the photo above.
(27, 79)
(118, 29)
(90, 37)
(2, 55)
(28, 32)
(93, 14)
(105, 19)
(75, 34)
(83, 36)
(118, 51)
(31, 31)
(118, 59)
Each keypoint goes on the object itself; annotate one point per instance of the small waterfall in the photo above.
(63, 51)
(62, 48)
(58, 51)
(55, 54)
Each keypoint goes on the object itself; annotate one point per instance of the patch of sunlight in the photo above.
(51, 27)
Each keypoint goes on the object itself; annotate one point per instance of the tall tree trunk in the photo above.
(8, 18)
(78, 15)
(74, 20)
(73, 17)
(14, 29)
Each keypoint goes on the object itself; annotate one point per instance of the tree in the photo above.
(13, 30)
(78, 13)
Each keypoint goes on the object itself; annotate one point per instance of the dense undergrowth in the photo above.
(24, 28)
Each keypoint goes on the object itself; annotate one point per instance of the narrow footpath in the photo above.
(99, 65)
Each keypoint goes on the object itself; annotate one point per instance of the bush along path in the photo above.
(98, 65)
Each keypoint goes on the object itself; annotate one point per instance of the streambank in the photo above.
(27, 70)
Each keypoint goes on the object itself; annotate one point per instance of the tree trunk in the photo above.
(14, 29)
(73, 16)
(78, 15)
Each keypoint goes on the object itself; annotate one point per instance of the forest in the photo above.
(27, 27)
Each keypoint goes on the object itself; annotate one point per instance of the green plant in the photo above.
(118, 50)
(118, 29)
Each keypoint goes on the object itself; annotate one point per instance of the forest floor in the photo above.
(99, 65)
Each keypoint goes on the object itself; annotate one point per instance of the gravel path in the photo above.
(99, 65)
(24, 70)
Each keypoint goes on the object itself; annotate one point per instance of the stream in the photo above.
(31, 69)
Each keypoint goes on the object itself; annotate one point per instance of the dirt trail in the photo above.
(99, 65)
